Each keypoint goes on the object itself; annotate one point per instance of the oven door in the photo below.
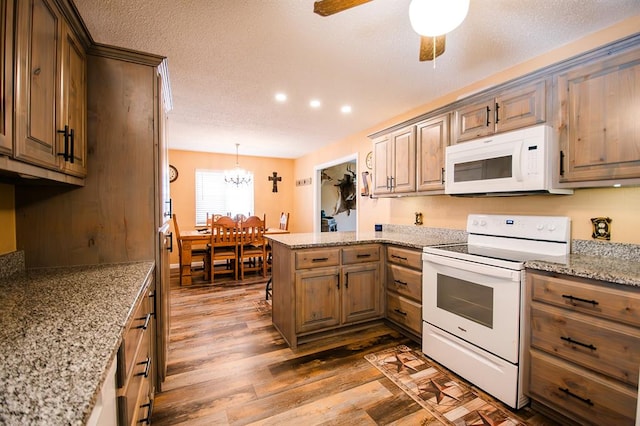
(477, 303)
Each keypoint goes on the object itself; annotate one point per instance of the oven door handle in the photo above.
(476, 268)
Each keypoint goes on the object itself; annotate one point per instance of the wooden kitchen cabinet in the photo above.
(51, 87)
(404, 289)
(394, 158)
(511, 109)
(135, 360)
(6, 76)
(597, 117)
(320, 290)
(432, 138)
(584, 348)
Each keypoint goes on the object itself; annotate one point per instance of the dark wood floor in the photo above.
(229, 366)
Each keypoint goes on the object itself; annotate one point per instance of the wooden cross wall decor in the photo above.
(275, 178)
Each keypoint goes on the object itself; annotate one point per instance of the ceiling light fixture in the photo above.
(281, 97)
(237, 176)
(434, 18)
(314, 103)
(346, 109)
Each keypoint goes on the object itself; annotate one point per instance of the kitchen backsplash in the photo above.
(11, 263)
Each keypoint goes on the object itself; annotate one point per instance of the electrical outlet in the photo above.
(601, 228)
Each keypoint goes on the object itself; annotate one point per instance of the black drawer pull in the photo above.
(399, 257)
(146, 322)
(319, 259)
(400, 282)
(400, 312)
(573, 299)
(360, 256)
(579, 398)
(147, 420)
(147, 363)
(575, 342)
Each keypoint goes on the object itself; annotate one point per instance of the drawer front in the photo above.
(141, 321)
(603, 301)
(134, 391)
(609, 348)
(405, 257)
(580, 393)
(317, 258)
(407, 282)
(405, 312)
(360, 254)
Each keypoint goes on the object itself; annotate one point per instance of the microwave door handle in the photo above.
(517, 161)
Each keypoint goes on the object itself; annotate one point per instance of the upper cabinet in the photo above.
(512, 109)
(432, 139)
(6, 77)
(50, 90)
(598, 106)
(394, 157)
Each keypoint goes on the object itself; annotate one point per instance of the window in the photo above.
(214, 195)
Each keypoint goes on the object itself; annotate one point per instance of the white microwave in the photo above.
(514, 163)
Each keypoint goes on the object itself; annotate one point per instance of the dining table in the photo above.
(199, 237)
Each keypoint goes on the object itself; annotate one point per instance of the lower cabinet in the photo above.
(584, 348)
(404, 289)
(134, 371)
(331, 288)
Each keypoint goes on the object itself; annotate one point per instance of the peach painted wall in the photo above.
(7, 219)
(266, 201)
(621, 204)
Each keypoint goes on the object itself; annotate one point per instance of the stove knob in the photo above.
(483, 223)
(552, 227)
(540, 227)
(474, 222)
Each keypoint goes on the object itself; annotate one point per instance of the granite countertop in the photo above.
(60, 329)
(420, 238)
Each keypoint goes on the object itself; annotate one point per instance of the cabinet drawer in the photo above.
(405, 257)
(317, 258)
(404, 312)
(360, 254)
(407, 282)
(609, 348)
(580, 393)
(605, 301)
(134, 390)
(132, 339)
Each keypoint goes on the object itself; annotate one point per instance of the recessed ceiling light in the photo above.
(617, 185)
(346, 109)
(314, 103)
(281, 97)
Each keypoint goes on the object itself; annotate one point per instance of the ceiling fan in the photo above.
(430, 47)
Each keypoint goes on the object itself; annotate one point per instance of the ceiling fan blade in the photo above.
(329, 7)
(426, 47)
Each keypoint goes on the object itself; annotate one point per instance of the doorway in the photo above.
(335, 195)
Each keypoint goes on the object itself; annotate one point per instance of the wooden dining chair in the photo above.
(223, 246)
(253, 246)
(198, 253)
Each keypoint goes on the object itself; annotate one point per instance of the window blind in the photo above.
(215, 196)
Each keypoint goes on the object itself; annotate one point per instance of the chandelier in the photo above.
(237, 176)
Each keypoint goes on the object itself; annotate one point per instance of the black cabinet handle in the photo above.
(395, 256)
(573, 299)
(147, 367)
(442, 176)
(561, 163)
(488, 112)
(170, 209)
(400, 312)
(147, 420)
(72, 143)
(170, 248)
(360, 256)
(65, 154)
(496, 119)
(346, 280)
(573, 395)
(319, 259)
(400, 282)
(575, 342)
(146, 322)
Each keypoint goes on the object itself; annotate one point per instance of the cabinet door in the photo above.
(74, 105)
(475, 120)
(599, 131)
(403, 143)
(361, 298)
(432, 137)
(6, 76)
(522, 107)
(317, 299)
(38, 48)
(381, 165)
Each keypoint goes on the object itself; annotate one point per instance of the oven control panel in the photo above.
(546, 228)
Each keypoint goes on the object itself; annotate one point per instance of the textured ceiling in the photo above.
(227, 59)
